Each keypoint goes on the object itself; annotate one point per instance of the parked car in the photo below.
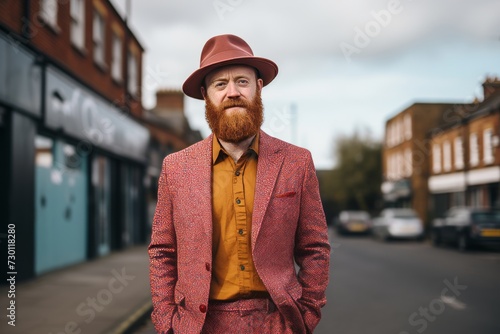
(467, 227)
(397, 223)
(353, 222)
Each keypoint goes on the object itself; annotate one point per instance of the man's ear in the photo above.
(260, 84)
(203, 92)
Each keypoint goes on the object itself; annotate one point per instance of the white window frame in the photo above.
(394, 173)
(407, 123)
(436, 158)
(99, 37)
(116, 62)
(48, 12)
(488, 154)
(400, 165)
(446, 156)
(408, 162)
(393, 134)
(474, 150)
(389, 167)
(77, 16)
(458, 152)
(399, 131)
(133, 75)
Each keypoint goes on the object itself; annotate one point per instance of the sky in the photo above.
(344, 65)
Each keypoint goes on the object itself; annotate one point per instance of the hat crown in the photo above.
(225, 50)
(222, 47)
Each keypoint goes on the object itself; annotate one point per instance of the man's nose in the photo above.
(232, 90)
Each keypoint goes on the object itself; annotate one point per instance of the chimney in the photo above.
(169, 101)
(491, 86)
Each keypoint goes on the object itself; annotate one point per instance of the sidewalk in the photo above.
(102, 296)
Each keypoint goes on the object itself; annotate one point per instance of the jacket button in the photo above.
(207, 266)
(203, 308)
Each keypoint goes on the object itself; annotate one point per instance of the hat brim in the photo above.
(268, 70)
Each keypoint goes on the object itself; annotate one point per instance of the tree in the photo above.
(354, 183)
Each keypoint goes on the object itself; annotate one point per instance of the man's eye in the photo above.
(219, 84)
(243, 82)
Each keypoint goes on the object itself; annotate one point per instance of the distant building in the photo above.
(465, 159)
(74, 153)
(406, 155)
(170, 132)
(169, 116)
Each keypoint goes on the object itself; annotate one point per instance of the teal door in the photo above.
(60, 205)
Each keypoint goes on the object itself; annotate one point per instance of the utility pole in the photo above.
(127, 10)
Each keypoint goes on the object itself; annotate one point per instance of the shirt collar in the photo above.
(217, 148)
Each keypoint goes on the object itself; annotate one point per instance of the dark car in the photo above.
(353, 222)
(467, 227)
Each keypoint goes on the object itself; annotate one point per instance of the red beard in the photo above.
(238, 126)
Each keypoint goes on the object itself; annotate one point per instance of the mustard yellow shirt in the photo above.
(233, 188)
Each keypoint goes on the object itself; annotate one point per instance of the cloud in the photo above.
(283, 30)
(425, 50)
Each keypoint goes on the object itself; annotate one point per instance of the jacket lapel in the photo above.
(268, 167)
(201, 191)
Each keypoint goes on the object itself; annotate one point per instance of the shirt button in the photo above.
(240, 231)
(203, 308)
(237, 173)
(238, 201)
(207, 266)
(242, 267)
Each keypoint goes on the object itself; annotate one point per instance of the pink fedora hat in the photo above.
(227, 50)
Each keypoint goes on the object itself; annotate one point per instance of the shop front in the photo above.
(72, 167)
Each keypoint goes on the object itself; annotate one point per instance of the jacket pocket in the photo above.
(177, 315)
(286, 194)
(291, 310)
(179, 298)
(295, 291)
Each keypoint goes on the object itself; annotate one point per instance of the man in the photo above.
(235, 212)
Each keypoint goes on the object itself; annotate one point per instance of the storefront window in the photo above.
(44, 155)
(101, 183)
(130, 204)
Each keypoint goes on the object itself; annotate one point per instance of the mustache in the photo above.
(235, 103)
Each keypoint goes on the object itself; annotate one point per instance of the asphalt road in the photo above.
(407, 287)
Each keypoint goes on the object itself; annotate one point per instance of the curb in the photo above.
(134, 320)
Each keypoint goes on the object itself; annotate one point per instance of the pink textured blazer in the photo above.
(288, 225)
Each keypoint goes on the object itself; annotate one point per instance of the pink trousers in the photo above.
(245, 316)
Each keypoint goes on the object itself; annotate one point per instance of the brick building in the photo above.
(75, 151)
(406, 155)
(170, 132)
(465, 159)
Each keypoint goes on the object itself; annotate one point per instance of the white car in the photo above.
(398, 223)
